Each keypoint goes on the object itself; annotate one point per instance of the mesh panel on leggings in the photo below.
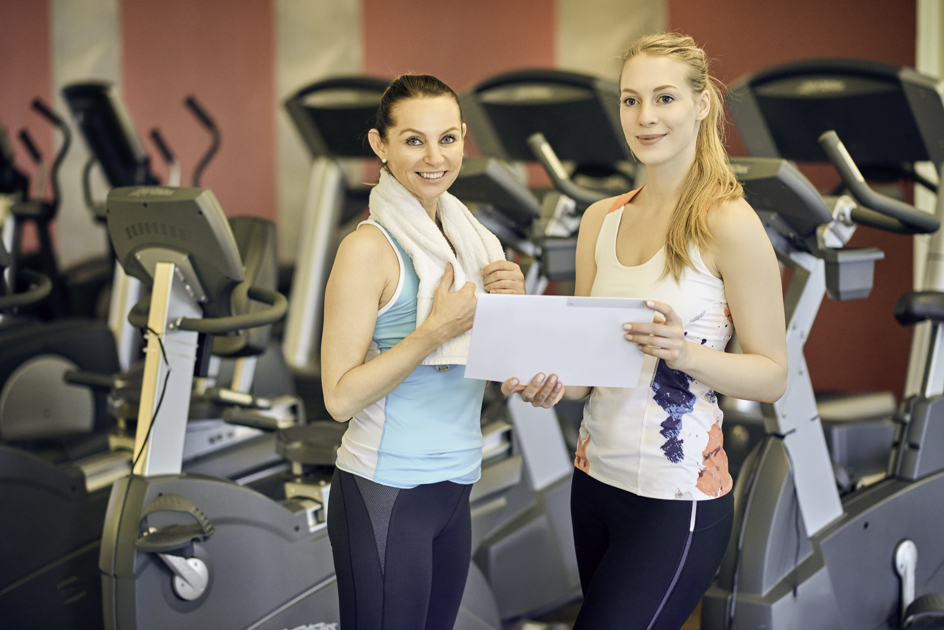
(379, 500)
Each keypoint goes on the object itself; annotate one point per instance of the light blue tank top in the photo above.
(426, 430)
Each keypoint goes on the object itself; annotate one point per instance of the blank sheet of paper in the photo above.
(578, 338)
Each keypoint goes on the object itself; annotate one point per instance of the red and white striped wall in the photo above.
(241, 58)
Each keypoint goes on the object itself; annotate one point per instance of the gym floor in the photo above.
(568, 614)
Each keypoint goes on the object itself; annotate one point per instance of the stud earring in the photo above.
(383, 160)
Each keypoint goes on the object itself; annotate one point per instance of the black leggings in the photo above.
(641, 564)
(401, 556)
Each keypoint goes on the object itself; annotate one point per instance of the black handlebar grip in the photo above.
(199, 112)
(919, 221)
(47, 113)
(158, 140)
(27, 140)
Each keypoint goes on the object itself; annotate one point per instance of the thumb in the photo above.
(468, 287)
(447, 278)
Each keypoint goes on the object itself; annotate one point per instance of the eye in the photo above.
(448, 139)
(665, 99)
(629, 101)
(414, 141)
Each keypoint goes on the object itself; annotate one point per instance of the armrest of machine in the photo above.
(277, 302)
(918, 306)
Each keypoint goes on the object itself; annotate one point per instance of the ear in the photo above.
(377, 143)
(463, 131)
(704, 105)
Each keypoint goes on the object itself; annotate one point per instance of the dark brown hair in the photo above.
(405, 87)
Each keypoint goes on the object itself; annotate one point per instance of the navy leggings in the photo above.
(642, 564)
(401, 556)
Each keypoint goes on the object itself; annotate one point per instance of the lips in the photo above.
(432, 176)
(651, 139)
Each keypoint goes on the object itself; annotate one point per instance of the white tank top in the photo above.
(661, 439)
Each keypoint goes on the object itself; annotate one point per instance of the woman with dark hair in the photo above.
(399, 306)
(650, 502)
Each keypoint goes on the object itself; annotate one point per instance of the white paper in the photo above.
(578, 338)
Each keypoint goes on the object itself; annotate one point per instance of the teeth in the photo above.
(433, 175)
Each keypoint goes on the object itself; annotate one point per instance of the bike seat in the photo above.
(314, 444)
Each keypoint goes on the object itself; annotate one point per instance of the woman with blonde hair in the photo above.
(651, 503)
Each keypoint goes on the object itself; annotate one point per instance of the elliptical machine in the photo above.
(39, 411)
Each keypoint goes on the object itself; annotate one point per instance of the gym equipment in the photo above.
(74, 291)
(64, 505)
(569, 122)
(786, 498)
(332, 117)
(113, 145)
(238, 534)
(36, 406)
(801, 556)
(148, 582)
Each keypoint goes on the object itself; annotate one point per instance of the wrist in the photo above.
(575, 393)
(433, 334)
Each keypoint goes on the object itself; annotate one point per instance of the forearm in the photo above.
(746, 376)
(365, 384)
(576, 392)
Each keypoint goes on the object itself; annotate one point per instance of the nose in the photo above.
(433, 153)
(647, 114)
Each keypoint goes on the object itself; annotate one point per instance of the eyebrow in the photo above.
(420, 133)
(667, 86)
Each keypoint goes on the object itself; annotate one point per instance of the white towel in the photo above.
(404, 217)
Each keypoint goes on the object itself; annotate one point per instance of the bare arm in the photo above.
(364, 267)
(743, 256)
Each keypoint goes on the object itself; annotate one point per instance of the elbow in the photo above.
(336, 409)
(340, 417)
(778, 386)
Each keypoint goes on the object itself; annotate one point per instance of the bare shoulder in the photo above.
(738, 238)
(594, 215)
(367, 245)
(733, 220)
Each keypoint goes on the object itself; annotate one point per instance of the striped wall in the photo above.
(241, 58)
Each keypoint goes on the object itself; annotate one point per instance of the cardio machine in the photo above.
(801, 555)
(55, 511)
(332, 117)
(38, 411)
(195, 551)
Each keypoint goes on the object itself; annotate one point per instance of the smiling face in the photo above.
(423, 148)
(659, 111)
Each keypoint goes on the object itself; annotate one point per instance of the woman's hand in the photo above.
(664, 338)
(540, 392)
(453, 311)
(503, 276)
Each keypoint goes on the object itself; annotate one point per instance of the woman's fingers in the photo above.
(503, 276)
(541, 391)
(664, 314)
(511, 386)
(663, 338)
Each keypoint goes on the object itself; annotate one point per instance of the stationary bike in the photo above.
(800, 556)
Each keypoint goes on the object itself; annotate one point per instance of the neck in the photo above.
(665, 180)
(431, 207)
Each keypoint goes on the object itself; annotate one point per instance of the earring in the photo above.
(383, 160)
